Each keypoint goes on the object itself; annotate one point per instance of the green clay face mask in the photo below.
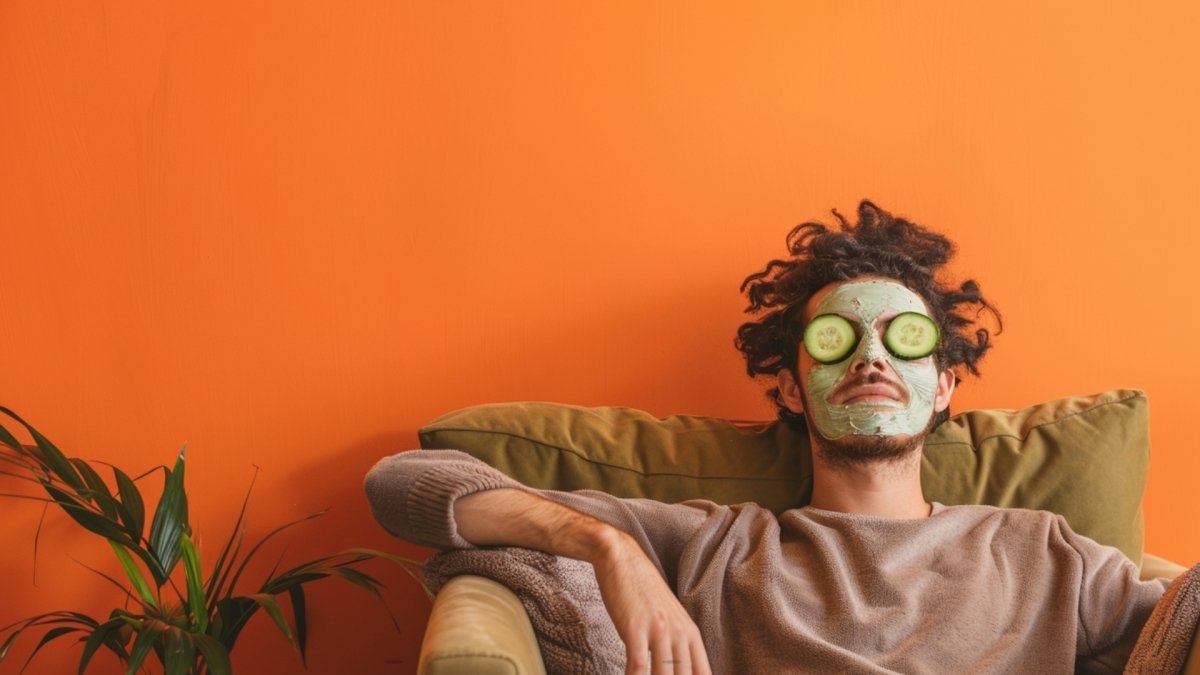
(863, 302)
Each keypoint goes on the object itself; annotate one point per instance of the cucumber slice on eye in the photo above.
(829, 338)
(911, 336)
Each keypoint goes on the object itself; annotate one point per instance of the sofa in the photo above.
(1085, 457)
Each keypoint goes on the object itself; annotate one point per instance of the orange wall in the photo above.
(289, 235)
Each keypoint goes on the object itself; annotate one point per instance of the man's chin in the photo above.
(854, 449)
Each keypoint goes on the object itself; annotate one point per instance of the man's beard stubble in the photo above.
(855, 449)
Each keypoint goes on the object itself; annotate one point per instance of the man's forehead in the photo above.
(868, 298)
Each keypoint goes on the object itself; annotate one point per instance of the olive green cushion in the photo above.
(1084, 457)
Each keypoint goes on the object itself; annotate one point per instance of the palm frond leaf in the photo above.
(48, 455)
(195, 583)
(6, 438)
(131, 508)
(267, 537)
(300, 619)
(148, 634)
(59, 619)
(232, 614)
(194, 629)
(179, 651)
(225, 561)
(97, 491)
(48, 637)
(268, 603)
(170, 521)
(216, 656)
(107, 634)
(134, 573)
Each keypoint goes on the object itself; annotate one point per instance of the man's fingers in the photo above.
(637, 656)
(666, 650)
(680, 662)
(699, 658)
(662, 660)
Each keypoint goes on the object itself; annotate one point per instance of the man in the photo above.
(868, 577)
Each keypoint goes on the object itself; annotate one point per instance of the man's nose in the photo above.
(871, 355)
(864, 365)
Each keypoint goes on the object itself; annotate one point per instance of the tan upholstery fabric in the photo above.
(478, 626)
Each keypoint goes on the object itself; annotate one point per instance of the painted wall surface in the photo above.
(288, 234)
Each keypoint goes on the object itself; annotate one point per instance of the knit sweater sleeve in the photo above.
(412, 495)
(1113, 603)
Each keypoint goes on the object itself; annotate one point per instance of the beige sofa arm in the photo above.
(479, 627)
(1154, 567)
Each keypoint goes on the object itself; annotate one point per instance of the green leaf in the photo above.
(134, 573)
(170, 521)
(232, 614)
(267, 602)
(267, 537)
(105, 634)
(51, 457)
(306, 574)
(11, 441)
(360, 579)
(411, 567)
(180, 652)
(216, 582)
(147, 635)
(300, 616)
(50, 635)
(74, 622)
(81, 513)
(97, 491)
(195, 583)
(133, 509)
(216, 656)
(7, 644)
(122, 587)
(225, 560)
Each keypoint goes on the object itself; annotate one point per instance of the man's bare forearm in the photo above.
(509, 517)
(444, 499)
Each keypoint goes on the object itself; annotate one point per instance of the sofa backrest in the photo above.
(1085, 457)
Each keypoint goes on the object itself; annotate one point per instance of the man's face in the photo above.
(871, 404)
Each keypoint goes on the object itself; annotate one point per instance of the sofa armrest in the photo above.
(479, 627)
(1154, 567)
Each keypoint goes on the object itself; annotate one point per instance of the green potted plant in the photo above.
(189, 621)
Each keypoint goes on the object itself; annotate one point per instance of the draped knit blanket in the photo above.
(576, 635)
(561, 597)
(1171, 629)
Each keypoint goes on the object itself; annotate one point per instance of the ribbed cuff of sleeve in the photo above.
(413, 494)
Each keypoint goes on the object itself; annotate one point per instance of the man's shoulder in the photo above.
(1000, 515)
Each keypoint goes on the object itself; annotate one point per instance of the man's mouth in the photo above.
(879, 393)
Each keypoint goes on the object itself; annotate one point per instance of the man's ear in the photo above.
(789, 391)
(945, 388)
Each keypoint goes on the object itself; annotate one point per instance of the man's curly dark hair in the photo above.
(879, 244)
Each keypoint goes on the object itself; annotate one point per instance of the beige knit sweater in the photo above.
(971, 589)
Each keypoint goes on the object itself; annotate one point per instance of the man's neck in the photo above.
(887, 488)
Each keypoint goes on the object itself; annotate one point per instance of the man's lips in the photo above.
(870, 393)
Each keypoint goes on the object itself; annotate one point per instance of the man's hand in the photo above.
(660, 638)
(659, 635)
